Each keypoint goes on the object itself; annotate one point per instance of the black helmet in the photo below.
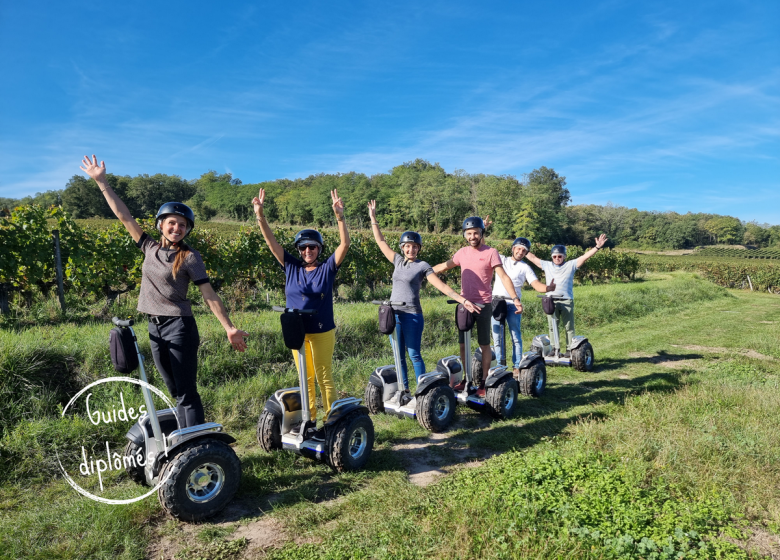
(522, 241)
(175, 208)
(309, 236)
(558, 250)
(474, 222)
(410, 237)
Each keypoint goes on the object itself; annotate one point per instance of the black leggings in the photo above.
(175, 349)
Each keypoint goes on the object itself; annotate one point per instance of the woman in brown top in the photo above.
(168, 267)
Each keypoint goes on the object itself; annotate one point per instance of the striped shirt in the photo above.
(160, 293)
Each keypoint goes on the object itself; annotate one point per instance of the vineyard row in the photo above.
(104, 262)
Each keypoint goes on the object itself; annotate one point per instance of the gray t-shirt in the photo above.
(407, 279)
(161, 294)
(564, 278)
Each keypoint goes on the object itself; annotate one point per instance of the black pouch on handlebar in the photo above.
(386, 319)
(499, 309)
(123, 354)
(293, 331)
(463, 318)
(548, 305)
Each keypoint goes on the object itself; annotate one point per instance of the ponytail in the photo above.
(181, 254)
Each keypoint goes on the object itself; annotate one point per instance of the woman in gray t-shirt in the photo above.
(407, 280)
(169, 267)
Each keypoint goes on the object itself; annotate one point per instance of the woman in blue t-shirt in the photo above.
(407, 280)
(309, 285)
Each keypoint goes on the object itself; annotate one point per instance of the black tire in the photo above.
(200, 480)
(436, 408)
(476, 370)
(501, 400)
(373, 398)
(135, 472)
(350, 441)
(269, 431)
(533, 379)
(582, 357)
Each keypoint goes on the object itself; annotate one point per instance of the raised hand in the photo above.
(257, 202)
(487, 221)
(91, 168)
(551, 287)
(338, 204)
(372, 210)
(601, 240)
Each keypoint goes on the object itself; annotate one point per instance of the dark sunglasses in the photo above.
(310, 247)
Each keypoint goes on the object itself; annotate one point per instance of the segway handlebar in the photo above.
(390, 303)
(293, 310)
(480, 305)
(123, 322)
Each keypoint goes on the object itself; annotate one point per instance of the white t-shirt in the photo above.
(518, 271)
(564, 278)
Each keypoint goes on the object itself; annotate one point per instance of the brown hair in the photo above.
(181, 254)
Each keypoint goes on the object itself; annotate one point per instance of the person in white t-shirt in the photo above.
(561, 272)
(520, 273)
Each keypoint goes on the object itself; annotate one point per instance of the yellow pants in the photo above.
(319, 365)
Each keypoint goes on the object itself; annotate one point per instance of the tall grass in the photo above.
(694, 448)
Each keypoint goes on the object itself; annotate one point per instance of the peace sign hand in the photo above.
(257, 202)
(338, 205)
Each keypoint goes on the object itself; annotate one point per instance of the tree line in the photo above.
(422, 196)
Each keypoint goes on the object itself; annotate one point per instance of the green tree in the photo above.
(756, 235)
(149, 192)
(82, 197)
(541, 216)
(725, 229)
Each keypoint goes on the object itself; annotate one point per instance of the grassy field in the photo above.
(670, 448)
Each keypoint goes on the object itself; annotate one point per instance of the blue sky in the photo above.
(655, 105)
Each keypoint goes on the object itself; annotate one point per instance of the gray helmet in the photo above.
(558, 250)
(175, 208)
(410, 237)
(522, 241)
(473, 222)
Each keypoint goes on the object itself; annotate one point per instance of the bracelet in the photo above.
(374, 223)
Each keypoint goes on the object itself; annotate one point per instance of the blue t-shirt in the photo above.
(311, 290)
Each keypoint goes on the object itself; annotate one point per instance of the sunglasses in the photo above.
(557, 256)
(309, 247)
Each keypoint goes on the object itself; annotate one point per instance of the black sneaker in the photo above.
(304, 428)
(316, 434)
(566, 354)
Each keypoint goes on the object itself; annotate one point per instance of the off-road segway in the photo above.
(199, 470)
(285, 423)
(580, 351)
(433, 403)
(532, 379)
(499, 396)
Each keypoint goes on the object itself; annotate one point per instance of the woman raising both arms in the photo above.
(407, 279)
(309, 285)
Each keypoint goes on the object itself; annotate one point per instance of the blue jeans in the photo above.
(410, 328)
(513, 322)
